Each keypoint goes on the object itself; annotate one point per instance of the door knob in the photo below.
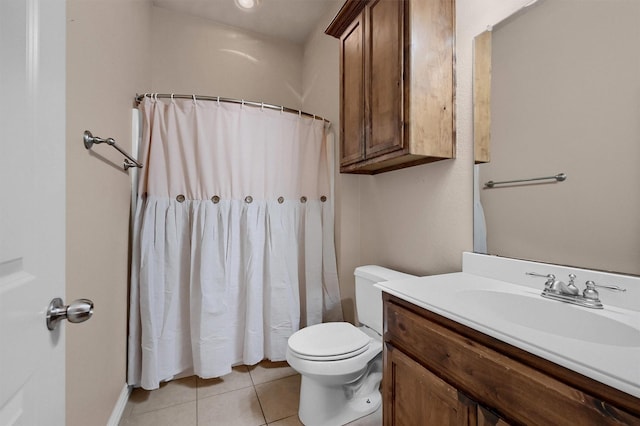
(78, 311)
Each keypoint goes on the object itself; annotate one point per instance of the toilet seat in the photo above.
(337, 357)
(331, 341)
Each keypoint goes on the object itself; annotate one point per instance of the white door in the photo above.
(32, 204)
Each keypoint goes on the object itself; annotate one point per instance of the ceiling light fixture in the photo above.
(247, 4)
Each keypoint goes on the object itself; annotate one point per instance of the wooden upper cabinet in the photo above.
(397, 83)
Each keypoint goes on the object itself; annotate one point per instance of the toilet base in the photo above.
(330, 406)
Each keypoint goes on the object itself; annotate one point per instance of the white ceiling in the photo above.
(292, 20)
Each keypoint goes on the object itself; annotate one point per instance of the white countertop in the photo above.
(601, 344)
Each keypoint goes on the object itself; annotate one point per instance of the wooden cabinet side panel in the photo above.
(352, 119)
(418, 397)
(431, 96)
(517, 392)
(384, 58)
(482, 97)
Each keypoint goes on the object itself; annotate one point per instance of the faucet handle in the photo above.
(535, 274)
(590, 292)
(571, 285)
(551, 279)
(608, 287)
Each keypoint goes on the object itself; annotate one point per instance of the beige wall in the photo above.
(417, 220)
(321, 83)
(192, 55)
(564, 100)
(107, 63)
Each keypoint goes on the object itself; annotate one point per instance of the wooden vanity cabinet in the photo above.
(396, 83)
(438, 372)
(419, 397)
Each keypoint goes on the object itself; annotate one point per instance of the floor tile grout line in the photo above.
(278, 378)
(132, 414)
(228, 391)
(293, 373)
(264, 416)
(251, 377)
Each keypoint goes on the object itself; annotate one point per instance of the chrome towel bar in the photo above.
(559, 178)
(89, 140)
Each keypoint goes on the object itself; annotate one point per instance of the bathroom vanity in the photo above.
(453, 357)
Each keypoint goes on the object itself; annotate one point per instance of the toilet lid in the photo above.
(330, 341)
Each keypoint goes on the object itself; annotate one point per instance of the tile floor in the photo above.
(265, 394)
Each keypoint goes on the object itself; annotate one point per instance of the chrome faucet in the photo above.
(558, 290)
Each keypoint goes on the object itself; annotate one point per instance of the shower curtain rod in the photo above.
(139, 99)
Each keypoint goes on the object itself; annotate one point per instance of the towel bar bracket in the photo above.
(89, 140)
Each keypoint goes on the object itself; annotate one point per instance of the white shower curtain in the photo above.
(233, 238)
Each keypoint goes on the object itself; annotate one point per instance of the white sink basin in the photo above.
(603, 344)
(553, 317)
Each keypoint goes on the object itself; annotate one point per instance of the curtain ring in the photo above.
(172, 98)
(299, 114)
(194, 99)
(218, 100)
(303, 199)
(262, 107)
(242, 105)
(281, 109)
(280, 200)
(248, 199)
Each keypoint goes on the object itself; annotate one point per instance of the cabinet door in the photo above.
(385, 68)
(487, 418)
(415, 396)
(352, 92)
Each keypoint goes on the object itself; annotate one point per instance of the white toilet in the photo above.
(341, 365)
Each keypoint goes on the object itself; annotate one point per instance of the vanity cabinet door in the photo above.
(487, 418)
(415, 396)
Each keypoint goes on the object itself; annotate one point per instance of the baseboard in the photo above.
(121, 404)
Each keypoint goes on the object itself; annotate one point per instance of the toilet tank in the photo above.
(368, 297)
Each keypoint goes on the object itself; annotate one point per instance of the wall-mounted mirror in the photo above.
(557, 90)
